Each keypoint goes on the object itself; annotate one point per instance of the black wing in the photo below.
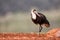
(41, 18)
(44, 19)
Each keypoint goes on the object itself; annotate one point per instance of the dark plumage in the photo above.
(39, 19)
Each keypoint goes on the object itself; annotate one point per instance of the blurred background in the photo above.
(15, 15)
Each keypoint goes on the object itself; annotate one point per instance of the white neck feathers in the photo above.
(33, 15)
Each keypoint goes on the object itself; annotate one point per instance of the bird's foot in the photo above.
(39, 32)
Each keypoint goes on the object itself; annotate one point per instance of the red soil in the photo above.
(50, 35)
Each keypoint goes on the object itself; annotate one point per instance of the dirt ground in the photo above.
(53, 34)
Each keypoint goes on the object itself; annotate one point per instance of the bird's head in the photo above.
(33, 11)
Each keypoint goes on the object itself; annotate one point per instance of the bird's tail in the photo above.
(47, 24)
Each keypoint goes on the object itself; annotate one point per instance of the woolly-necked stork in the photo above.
(39, 18)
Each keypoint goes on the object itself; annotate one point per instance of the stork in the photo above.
(39, 18)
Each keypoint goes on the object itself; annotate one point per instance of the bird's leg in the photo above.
(40, 28)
